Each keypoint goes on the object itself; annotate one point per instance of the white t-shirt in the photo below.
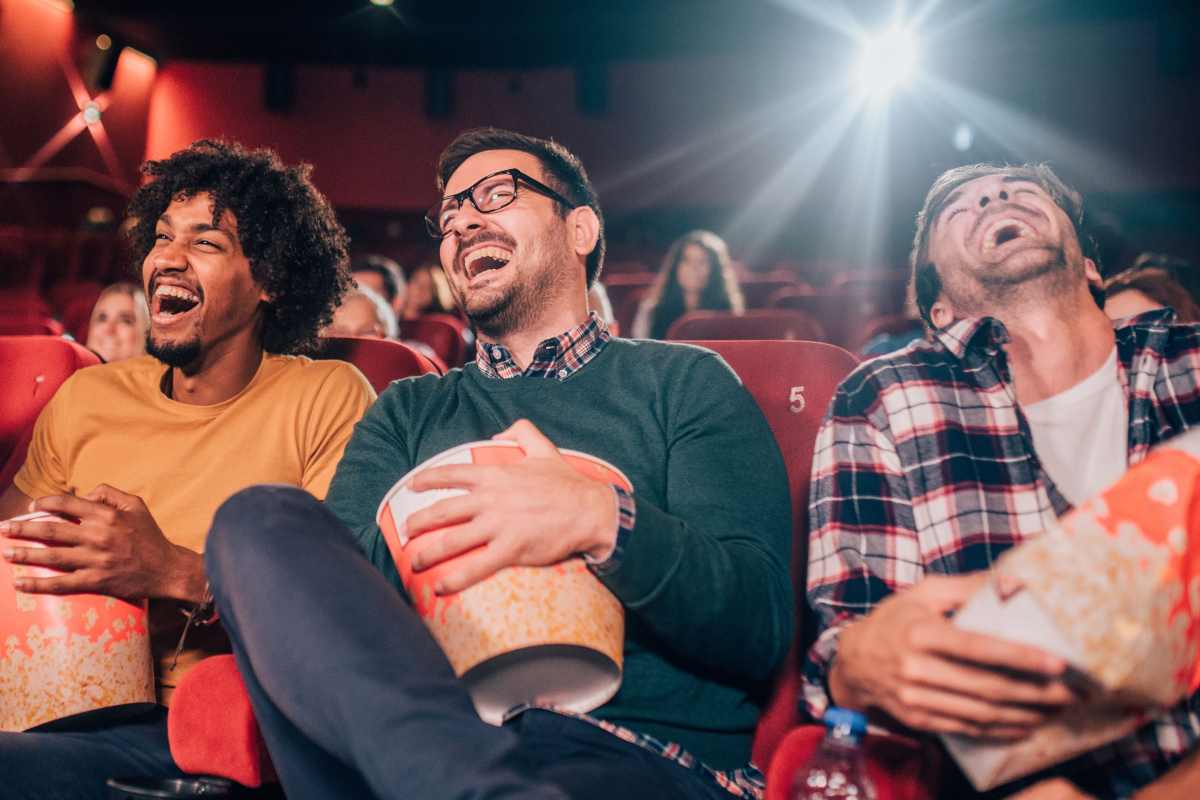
(1081, 435)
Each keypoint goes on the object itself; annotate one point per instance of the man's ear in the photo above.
(584, 229)
(941, 314)
(1092, 272)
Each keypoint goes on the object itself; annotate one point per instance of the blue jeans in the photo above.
(354, 697)
(74, 764)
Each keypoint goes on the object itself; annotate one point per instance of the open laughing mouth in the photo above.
(485, 259)
(172, 303)
(1004, 232)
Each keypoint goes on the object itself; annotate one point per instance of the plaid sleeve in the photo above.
(863, 537)
(626, 517)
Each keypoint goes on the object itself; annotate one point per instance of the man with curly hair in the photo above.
(243, 262)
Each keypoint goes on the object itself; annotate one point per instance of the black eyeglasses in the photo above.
(488, 194)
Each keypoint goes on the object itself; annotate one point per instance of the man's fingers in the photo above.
(532, 441)
(111, 496)
(44, 531)
(451, 476)
(984, 684)
(79, 582)
(439, 545)
(459, 508)
(77, 507)
(944, 639)
(946, 593)
(65, 559)
(468, 570)
(973, 717)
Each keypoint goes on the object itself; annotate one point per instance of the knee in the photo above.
(253, 519)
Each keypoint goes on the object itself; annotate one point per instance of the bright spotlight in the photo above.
(888, 60)
(384, 3)
(964, 137)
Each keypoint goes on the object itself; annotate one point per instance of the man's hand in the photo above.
(116, 549)
(909, 660)
(1052, 789)
(537, 512)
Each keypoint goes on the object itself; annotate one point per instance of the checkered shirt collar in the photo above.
(558, 357)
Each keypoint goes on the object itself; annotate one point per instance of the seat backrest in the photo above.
(443, 332)
(792, 382)
(29, 325)
(31, 370)
(380, 360)
(758, 323)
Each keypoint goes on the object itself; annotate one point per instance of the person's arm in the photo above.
(887, 643)
(13, 503)
(1180, 783)
(374, 459)
(707, 570)
(640, 329)
(337, 406)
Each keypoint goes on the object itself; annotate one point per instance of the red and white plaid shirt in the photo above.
(925, 464)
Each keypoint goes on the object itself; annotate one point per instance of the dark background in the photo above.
(733, 115)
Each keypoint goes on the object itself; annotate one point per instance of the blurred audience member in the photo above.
(1135, 290)
(363, 312)
(120, 322)
(598, 301)
(428, 293)
(383, 276)
(696, 275)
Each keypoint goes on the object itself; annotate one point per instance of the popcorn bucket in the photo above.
(1114, 590)
(547, 635)
(66, 655)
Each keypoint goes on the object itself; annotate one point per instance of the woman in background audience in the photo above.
(428, 293)
(1139, 289)
(120, 322)
(696, 275)
(363, 312)
(384, 276)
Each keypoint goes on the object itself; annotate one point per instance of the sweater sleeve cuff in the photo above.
(626, 518)
(815, 697)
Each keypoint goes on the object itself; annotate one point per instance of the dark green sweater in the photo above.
(704, 577)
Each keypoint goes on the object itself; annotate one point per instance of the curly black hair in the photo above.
(287, 229)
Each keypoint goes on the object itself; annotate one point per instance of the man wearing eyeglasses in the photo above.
(697, 553)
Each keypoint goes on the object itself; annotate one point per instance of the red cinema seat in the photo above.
(29, 325)
(758, 323)
(757, 289)
(792, 382)
(31, 370)
(448, 335)
(380, 360)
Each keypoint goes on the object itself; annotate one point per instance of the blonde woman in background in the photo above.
(119, 324)
(696, 275)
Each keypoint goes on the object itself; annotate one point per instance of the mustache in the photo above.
(1007, 208)
(484, 237)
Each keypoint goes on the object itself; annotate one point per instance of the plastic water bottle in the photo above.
(837, 768)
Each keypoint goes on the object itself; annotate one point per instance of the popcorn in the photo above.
(1114, 589)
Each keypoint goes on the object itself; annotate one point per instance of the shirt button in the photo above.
(562, 373)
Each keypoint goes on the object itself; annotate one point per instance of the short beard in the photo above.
(524, 302)
(1037, 285)
(175, 355)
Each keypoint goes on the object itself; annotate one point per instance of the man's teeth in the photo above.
(176, 291)
(476, 258)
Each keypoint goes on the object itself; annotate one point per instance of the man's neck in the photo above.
(221, 374)
(1056, 345)
(523, 343)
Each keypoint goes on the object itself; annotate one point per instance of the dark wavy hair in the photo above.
(925, 284)
(286, 228)
(564, 173)
(721, 292)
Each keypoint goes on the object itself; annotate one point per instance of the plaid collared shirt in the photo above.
(559, 358)
(925, 464)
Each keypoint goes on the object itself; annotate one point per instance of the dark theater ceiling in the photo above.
(531, 33)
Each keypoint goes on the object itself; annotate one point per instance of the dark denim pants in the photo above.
(355, 698)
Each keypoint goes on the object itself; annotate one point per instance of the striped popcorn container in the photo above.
(527, 635)
(67, 655)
